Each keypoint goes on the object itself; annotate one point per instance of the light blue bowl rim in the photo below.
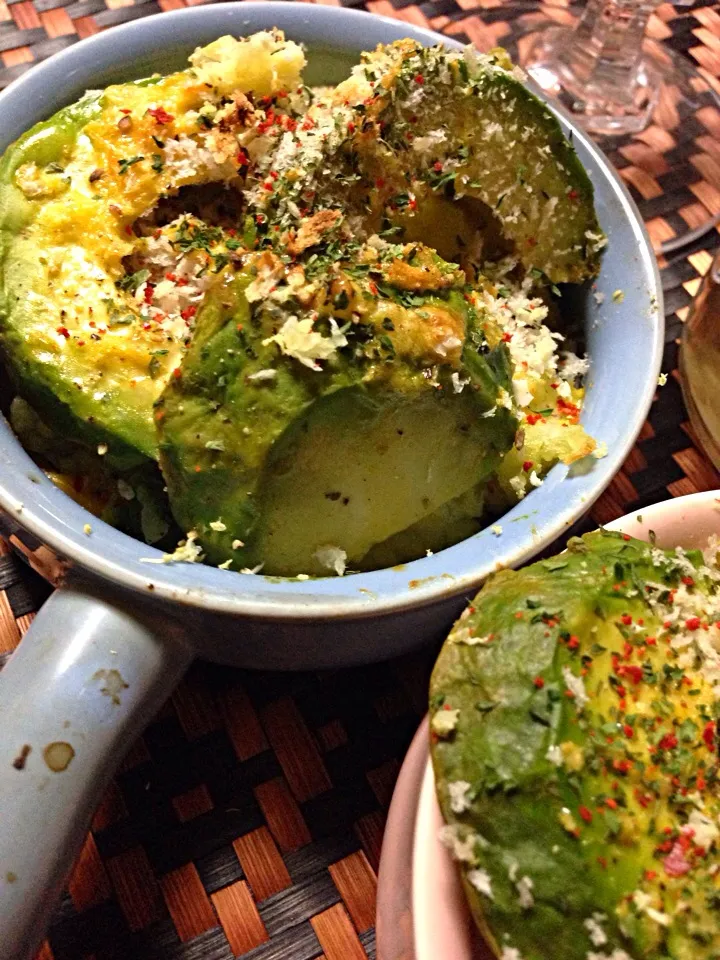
(37, 505)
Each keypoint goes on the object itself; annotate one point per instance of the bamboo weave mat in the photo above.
(247, 821)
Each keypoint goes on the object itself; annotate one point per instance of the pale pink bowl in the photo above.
(421, 909)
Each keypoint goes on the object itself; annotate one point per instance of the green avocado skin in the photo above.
(232, 448)
(500, 742)
(46, 386)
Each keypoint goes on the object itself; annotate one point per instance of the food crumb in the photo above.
(87, 529)
(618, 296)
(497, 529)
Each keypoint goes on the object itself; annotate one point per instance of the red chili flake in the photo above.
(241, 157)
(701, 783)
(603, 862)
(668, 742)
(643, 799)
(307, 124)
(437, 166)
(419, 78)
(628, 731)
(182, 281)
(518, 615)
(626, 619)
(709, 735)
(633, 673)
(567, 408)
(621, 691)
(692, 623)
(177, 373)
(506, 337)
(161, 116)
(412, 204)
(569, 694)
(373, 288)
(351, 127)
(268, 187)
(611, 803)
(128, 230)
(527, 465)
(650, 875)
(379, 183)
(189, 312)
(626, 536)
(125, 110)
(573, 195)
(688, 581)
(149, 291)
(532, 418)
(539, 682)
(573, 643)
(651, 641)
(586, 814)
(63, 331)
(627, 650)
(676, 865)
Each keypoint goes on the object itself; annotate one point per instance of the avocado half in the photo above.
(83, 336)
(300, 445)
(574, 722)
(425, 138)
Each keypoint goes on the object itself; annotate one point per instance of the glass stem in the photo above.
(604, 54)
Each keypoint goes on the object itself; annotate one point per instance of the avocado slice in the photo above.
(293, 442)
(574, 740)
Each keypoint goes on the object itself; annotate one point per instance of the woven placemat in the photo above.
(247, 821)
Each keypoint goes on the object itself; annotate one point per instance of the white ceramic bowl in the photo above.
(421, 912)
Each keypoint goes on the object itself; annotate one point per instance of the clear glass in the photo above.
(700, 363)
(599, 68)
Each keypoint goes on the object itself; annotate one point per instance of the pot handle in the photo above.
(87, 677)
